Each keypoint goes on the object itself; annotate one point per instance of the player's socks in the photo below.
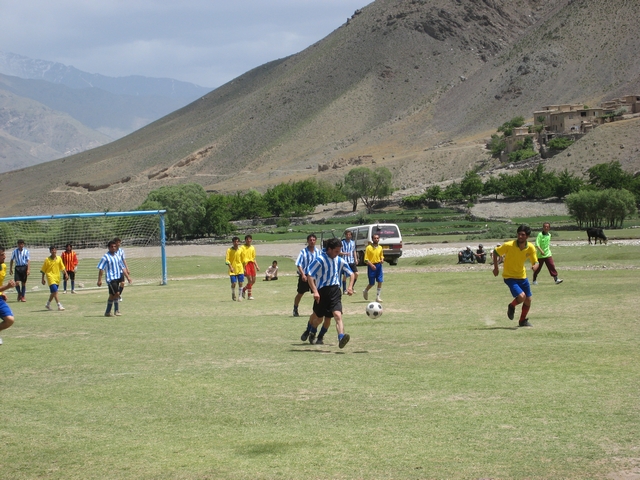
(514, 303)
(322, 332)
(115, 307)
(109, 305)
(523, 314)
(340, 335)
(378, 292)
(24, 290)
(313, 330)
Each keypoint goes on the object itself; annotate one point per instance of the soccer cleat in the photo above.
(535, 282)
(312, 338)
(295, 312)
(365, 294)
(0, 341)
(117, 314)
(22, 299)
(344, 341)
(244, 294)
(344, 292)
(251, 297)
(64, 291)
(19, 297)
(558, 281)
(240, 297)
(73, 291)
(304, 335)
(524, 323)
(319, 341)
(378, 299)
(233, 296)
(60, 307)
(120, 299)
(511, 310)
(47, 306)
(108, 315)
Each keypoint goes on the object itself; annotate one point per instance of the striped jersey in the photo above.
(120, 254)
(20, 257)
(327, 271)
(112, 265)
(349, 247)
(305, 257)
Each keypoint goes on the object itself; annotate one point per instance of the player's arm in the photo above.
(42, 272)
(11, 266)
(495, 256)
(314, 289)
(10, 284)
(28, 267)
(99, 277)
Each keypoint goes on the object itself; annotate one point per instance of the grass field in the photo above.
(190, 385)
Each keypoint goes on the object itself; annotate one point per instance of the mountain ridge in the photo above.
(412, 85)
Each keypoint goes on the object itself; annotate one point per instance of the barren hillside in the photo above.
(413, 85)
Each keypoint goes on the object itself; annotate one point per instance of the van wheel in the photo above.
(393, 261)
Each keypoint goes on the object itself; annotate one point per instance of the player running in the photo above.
(324, 275)
(373, 257)
(516, 252)
(250, 265)
(307, 255)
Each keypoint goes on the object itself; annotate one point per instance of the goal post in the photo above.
(142, 234)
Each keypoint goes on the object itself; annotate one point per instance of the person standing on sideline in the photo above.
(125, 271)
(250, 265)
(543, 247)
(70, 260)
(325, 275)
(114, 269)
(51, 268)
(374, 257)
(233, 260)
(5, 312)
(348, 253)
(307, 255)
(20, 257)
(516, 252)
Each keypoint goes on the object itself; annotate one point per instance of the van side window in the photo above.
(363, 233)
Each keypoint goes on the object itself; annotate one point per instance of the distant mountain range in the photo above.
(87, 110)
(416, 86)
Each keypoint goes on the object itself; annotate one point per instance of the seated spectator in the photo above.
(481, 255)
(271, 273)
(494, 254)
(465, 256)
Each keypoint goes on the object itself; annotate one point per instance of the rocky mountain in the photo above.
(81, 110)
(413, 85)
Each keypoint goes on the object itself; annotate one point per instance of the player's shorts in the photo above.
(303, 287)
(518, 285)
(114, 287)
(237, 278)
(375, 274)
(20, 273)
(5, 311)
(330, 301)
(72, 275)
(250, 269)
(121, 280)
(353, 267)
(53, 288)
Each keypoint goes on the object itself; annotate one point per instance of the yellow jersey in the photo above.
(514, 258)
(52, 268)
(234, 260)
(373, 254)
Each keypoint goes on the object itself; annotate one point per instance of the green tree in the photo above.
(567, 184)
(493, 186)
(248, 205)
(559, 143)
(371, 186)
(471, 186)
(434, 194)
(452, 193)
(217, 216)
(496, 145)
(280, 199)
(185, 205)
(609, 175)
(607, 208)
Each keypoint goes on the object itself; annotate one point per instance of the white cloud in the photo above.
(207, 42)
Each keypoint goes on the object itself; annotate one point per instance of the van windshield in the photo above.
(386, 231)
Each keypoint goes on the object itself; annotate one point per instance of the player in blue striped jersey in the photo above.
(324, 276)
(113, 267)
(307, 255)
(348, 253)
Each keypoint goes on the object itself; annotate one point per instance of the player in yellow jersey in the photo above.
(250, 265)
(516, 252)
(233, 260)
(51, 268)
(374, 257)
(5, 312)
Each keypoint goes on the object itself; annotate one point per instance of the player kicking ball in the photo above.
(516, 252)
(324, 276)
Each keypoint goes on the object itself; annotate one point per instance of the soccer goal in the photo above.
(142, 234)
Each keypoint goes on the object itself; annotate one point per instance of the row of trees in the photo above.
(191, 212)
(530, 184)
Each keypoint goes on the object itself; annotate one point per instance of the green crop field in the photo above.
(190, 385)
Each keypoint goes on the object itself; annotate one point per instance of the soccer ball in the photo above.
(374, 310)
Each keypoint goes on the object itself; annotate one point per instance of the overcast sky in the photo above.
(207, 42)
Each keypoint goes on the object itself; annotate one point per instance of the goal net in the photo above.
(142, 234)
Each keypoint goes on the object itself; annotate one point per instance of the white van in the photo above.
(390, 240)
